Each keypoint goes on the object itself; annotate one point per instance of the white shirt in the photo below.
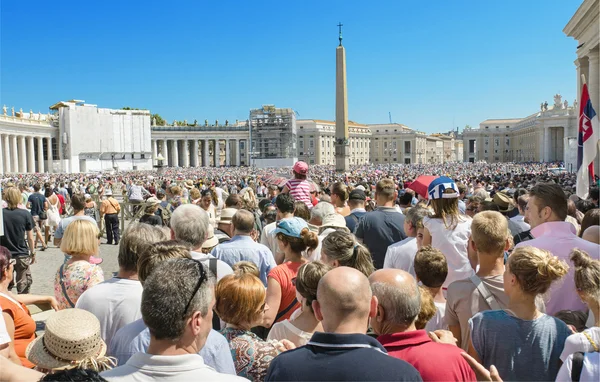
(579, 342)
(146, 367)
(223, 269)
(437, 321)
(269, 239)
(285, 330)
(401, 255)
(520, 220)
(453, 244)
(115, 302)
(589, 372)
(316, 254)
(4, 337)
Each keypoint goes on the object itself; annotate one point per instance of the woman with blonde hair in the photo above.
(299, 329)
(522, 342)
(294, 238)
(447, 229)
(340, 249)
(339, 196)
(80, 242)
(240, 302)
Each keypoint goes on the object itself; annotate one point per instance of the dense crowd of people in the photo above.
(478, 272)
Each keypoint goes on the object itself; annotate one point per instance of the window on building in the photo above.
(54, 149)
(407, 147)
(385, 145)
(242, 145)
(301, 144)
(311, 144)
(312, 161)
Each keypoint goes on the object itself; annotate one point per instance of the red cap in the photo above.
(301, 168)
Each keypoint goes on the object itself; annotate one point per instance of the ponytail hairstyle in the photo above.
(587, 273)
(308, 278)
(341, 190)
(341, 246)
(307, 239)
(536, 269)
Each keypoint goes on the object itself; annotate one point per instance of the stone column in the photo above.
(40, 156)
(237, 151)
(6, 153)
(205, 153)
(22, 156)
(154, 150)
(49, 154)
(186, 153)
(165, 152)
(30, 155)
(194, 154)
(594, 78)
(14, 153)
(175, 153)
(582, 65)
(2, 153)
(227, 153)
(217, 153)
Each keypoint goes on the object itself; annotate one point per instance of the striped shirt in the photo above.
(300, 191)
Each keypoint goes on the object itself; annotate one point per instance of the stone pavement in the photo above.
(45, 268)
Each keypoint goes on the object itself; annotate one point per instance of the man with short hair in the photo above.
(37, 205)
(285, 209)
(356, 203)
(177, 305)
(462, 193)
(78, 204)
(405, 200)
(519, 219)
(189, 223)
(401, 255)
(343, 352)
(135, 337)
(241, 247)
(399, 304)
(116, 302)
(109, 210)
(546, 213)
(383, 227)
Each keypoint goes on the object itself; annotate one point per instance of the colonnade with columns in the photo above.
(213, 152)
(22, 153)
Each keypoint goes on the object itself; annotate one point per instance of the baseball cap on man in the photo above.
(437, 188)
(357, 195)
(300, 167)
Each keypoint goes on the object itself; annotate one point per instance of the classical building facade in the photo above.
(316, 142)
(540, 137)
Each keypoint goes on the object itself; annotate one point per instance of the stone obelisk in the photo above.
(342, 148)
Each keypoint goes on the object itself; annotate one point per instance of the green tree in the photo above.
(159, 120)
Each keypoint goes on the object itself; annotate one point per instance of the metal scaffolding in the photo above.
(273, 133)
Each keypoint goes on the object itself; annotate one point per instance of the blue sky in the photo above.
(433, 64)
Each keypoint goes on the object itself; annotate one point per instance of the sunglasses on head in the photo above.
(203, 277)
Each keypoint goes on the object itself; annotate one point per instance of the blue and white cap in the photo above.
(437, 188)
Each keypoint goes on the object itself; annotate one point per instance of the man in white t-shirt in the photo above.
(116, 302)
(177, 306)
(401, 255)
(189, 223)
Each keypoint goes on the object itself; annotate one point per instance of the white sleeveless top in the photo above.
(453, 244)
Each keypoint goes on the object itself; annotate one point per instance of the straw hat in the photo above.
(189, 184)
(212, 239)
(72, 339)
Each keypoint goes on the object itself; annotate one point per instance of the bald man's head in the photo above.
(397, 292)
(592, 233)
(343, 296)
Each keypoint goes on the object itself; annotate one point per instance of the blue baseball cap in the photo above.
(437, 188)
(291, 227)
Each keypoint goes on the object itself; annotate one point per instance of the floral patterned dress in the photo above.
(251, 355)
(77, 277)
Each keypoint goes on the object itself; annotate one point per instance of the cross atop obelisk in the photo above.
(342, 149)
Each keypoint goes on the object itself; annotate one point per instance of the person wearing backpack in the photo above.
(356, 202)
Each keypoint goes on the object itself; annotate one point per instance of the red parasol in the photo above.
(421, 184)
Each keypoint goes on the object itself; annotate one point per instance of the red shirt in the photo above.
(435, 362)
(283, 274)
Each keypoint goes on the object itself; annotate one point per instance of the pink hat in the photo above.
(301, 167)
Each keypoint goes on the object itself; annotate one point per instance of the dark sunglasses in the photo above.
(203, 277)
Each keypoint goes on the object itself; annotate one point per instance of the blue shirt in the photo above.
(525, 350)
(243, 248)
(37, 203)
(62, 226)
(340, 357)
(353, 218)
(134, 338)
